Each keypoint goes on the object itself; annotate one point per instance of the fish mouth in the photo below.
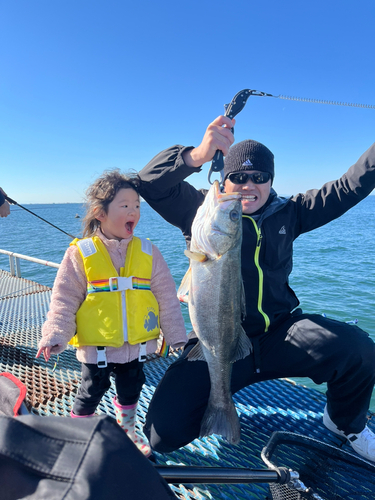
(224, 197)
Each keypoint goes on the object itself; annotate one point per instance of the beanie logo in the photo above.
(282, 230)
(247, 163)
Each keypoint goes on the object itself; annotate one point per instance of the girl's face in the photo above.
(122, 216)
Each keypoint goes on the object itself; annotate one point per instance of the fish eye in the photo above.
(234, 215)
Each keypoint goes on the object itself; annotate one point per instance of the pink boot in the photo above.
(126, 416)
(73, 415)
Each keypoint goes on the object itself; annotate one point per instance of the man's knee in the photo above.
(162, 444)
(168, 438)
(366, 352)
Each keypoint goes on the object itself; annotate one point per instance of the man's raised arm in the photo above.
(163, 183)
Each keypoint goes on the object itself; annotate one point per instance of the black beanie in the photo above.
(249, 155)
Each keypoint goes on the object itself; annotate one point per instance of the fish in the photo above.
(213, 289)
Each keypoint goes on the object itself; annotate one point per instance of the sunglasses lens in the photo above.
(243, 177)
(239, 178)
(260, 178)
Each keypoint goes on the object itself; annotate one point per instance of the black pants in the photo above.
(129, 379)
(311, 346)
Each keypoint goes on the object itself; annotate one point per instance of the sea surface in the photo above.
(333, 274)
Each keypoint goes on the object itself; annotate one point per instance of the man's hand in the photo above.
(4, 208)
(218, 136)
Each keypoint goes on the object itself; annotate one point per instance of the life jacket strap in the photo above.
(142, 352)
(118, 284)
(101, 359)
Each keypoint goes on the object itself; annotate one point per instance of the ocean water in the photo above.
(333, 274)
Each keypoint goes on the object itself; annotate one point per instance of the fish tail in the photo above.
(222, 421)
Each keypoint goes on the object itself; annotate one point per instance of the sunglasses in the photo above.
(244, 177)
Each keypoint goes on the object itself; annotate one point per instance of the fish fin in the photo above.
(199, 257)
(196, 354)
(183, 289)
(244, 346)
(222, 421)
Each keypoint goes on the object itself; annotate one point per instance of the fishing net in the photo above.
(325, 472)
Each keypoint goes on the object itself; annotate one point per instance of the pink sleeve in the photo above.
(164, 289)
(68, 293)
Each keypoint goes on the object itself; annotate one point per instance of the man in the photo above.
(287, 343)
(4, 205)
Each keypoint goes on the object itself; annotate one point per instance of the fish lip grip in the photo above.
(231, 110)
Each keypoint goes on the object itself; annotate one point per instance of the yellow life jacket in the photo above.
(118, 308)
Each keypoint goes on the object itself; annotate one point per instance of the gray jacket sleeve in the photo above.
(164, 188)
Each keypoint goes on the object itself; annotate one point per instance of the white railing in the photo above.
(14, 262)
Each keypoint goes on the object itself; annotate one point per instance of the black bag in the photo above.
(57, 458)
(12, 395)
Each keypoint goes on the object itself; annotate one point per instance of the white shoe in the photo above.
(331, 425)
(363, 443)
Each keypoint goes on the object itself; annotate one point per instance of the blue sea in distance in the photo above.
(334, 266)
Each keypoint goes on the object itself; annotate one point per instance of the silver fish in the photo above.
(214, 291)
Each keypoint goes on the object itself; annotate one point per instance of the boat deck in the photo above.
(278, 405)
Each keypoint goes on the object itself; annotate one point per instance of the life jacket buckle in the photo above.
(101, 359)
(142, 352)
(120, 283)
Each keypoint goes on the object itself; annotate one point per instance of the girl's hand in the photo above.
(46, 352)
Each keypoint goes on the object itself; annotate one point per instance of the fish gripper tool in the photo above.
(231, 110)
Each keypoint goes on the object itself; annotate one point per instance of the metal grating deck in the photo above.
(265, 407)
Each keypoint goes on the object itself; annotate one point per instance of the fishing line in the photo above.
(238, 103)
(307, 99)
(41, 218)
(321, 101)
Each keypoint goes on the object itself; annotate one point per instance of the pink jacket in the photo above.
(69, 291)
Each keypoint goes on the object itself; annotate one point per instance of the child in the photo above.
(109, 293)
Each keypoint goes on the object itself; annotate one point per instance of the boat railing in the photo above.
(14, 262)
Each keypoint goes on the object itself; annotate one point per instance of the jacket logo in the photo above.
(282, 230)
(247, 163)
(151, 321)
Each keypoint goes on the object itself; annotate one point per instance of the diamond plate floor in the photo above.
(263, 408)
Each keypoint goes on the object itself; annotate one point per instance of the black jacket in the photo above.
(267, 246)
(2, 198)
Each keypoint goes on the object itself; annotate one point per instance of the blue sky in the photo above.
(88, 85)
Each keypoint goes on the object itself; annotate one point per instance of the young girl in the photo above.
(111, 293)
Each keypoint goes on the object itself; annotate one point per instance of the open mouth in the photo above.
(248, 197)
(129, 226)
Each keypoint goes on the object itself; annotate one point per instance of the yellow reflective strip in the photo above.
(260, 272)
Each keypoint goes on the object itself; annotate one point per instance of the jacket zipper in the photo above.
(124, 322)
(260, 273)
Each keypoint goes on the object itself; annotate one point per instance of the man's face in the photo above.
(254, 196)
